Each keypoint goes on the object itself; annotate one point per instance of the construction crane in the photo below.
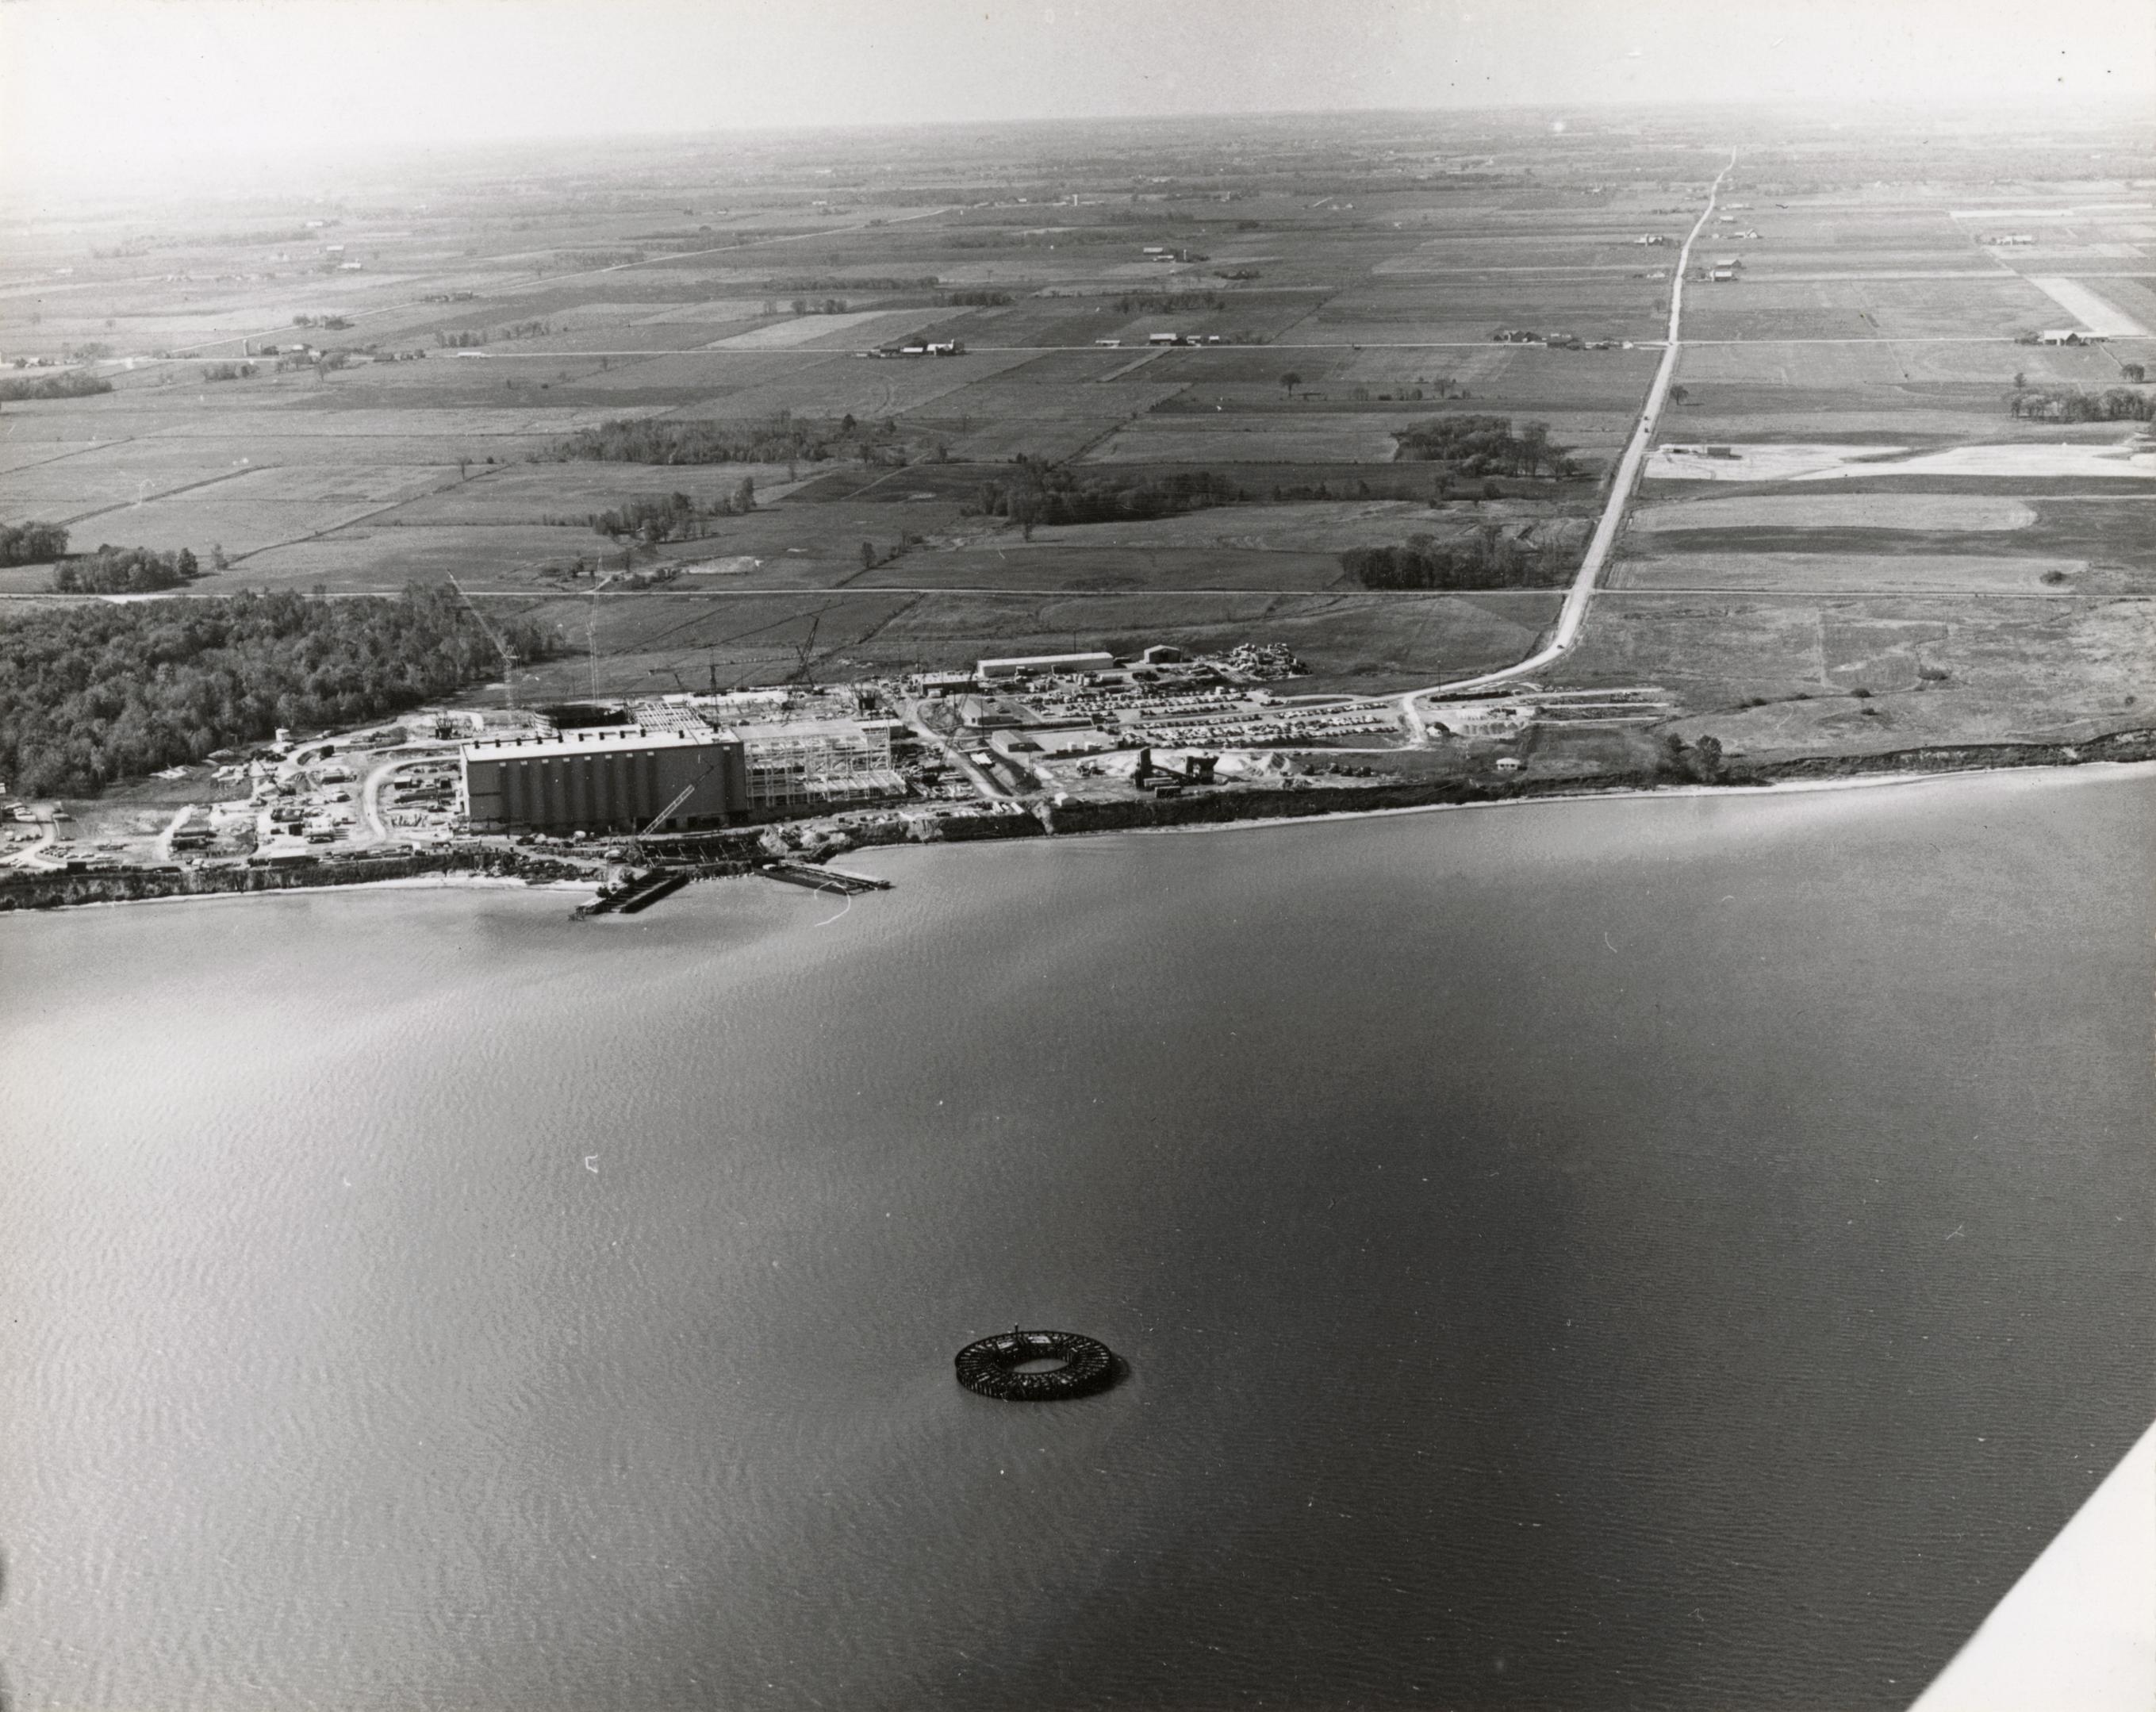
(633, 850)
(591, 629)
(508, 657)
(804, 673)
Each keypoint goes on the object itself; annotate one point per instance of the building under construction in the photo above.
(811, 764)
(614, 778)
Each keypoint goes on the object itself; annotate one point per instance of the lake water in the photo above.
(1690, 1252)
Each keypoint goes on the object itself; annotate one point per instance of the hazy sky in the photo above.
(105, 88)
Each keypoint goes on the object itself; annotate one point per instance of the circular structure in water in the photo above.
(1007, 1366)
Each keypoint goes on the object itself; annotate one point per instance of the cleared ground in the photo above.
(2121, 461)
(2095, 312)
(1864, 511)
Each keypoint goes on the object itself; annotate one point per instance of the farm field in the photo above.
(1839, 511)
(1774, 674)
(1103, 568)
(1851, 574)
(1858, 372)
(2121, 459)
(1353, 641)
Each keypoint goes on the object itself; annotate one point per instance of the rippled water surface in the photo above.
(1682, 1253)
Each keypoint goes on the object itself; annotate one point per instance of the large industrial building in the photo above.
(617, 778)
(614, 778)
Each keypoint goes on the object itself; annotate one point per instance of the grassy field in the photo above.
(1826, 572)
(1357, 641)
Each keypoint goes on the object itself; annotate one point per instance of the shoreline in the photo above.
(413, 882)
(1191, 820)
(1780, 787)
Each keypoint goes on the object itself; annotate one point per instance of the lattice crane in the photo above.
(508, 654)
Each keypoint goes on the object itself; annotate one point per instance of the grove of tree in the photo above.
(1485, 445)
(1489, 558)
(72, 383)
(2082, 404)
(93, 693)
(1038, 492)
(123, 570)
(784, 440)
(31, 543)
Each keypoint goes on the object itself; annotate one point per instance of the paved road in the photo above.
(1574, 614)
(982, 781)
(164, 844)
(32, 855)
(369, 799)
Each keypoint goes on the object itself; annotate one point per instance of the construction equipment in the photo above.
(633, 849)
(591, 629)
(508, 657)
(804, 673)
(1196, 770)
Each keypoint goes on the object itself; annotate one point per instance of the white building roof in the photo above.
(1046, 662)
(610, 739)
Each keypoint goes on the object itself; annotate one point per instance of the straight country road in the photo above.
(1574, 614)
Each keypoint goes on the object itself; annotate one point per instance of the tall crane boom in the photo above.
(632, 847)
(666, 813)
(500, 647)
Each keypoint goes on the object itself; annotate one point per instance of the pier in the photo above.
(636, 895)
(817, 879)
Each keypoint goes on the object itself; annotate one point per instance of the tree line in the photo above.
(94, 693)
(2082, 404)
(818, 283)
(123, 570)
(785, 439)
(1167, 302)
(675, 516)
(72, 383)
(31, 543)
(1485, 445)
(1489, 558)
(1038, 492)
